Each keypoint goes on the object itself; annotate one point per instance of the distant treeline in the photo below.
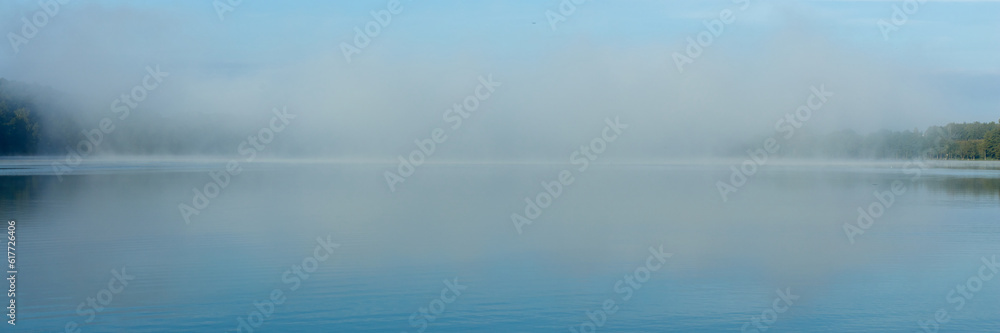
(19, 123)
(973, 141)
(34, 119)
(965, 141)
(38, 120)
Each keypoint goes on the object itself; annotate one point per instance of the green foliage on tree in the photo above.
(966, 141)
(991, 144)
(19, 127)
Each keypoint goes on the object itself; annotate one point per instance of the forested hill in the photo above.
(41, 121)
(19, 123)
(34, 120)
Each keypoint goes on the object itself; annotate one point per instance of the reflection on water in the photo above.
(980, 188)
(258, 254)
(16, 191)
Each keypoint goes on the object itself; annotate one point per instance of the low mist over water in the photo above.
(501, 166)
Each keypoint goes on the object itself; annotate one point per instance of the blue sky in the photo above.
(948, 35)
(951, 35)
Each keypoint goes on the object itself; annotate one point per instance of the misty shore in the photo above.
(43, 165)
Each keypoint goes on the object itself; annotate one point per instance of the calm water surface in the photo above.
(390, 253)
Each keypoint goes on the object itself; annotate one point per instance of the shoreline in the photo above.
(42, 165)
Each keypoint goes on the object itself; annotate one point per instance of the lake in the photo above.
(308, 245)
